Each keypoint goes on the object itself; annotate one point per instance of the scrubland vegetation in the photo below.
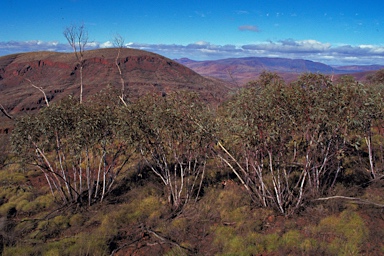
(276, 169)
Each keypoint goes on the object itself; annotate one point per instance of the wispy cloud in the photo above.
(202, 50)
(11, 47)
(241, 12)
(249, 28)
(289, 46)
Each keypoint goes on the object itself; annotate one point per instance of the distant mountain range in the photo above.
(242, 70)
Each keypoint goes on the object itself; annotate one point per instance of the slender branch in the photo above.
(165, 239)
(234, 171)
(77, 38)
(353, 199)
(119, 42)
(2, 109)
(40, 89)
(237, 163)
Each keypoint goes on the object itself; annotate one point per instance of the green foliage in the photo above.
(77, 220)
(290, 141)
(175, 134)
(335, 235)
(144, 209)
(50, 227)
(41, 203)
(345, 234)
(78, 147)
(81, 244)
(20, 251)
(176, 251)
(86, 244)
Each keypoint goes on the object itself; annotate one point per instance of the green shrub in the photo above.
(20, 250)
(271, 242)
(87, 244)
(144, 209)
(49, 228)
(41, 203)
(77, 220)
(6, 208)
(345, 234)
(176, 251)
(291, 240)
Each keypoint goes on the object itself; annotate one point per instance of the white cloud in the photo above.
(201, 43)
(290, 46)
(107, 44)
(202, 50)
(93, 45)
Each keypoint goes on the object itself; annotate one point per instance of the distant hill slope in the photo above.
(242, 70)
(358, 68)
(245, 69)
(58, 75)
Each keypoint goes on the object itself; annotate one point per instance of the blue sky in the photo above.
(333, 32)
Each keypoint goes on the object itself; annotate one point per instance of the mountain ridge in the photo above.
(242, 70)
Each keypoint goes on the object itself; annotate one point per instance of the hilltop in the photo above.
(57, 74)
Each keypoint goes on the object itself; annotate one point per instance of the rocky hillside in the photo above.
(57, 74)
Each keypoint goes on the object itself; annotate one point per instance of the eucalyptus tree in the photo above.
(78, 147)
(119, 43)
(288, 143)
(77, 37)
(365, 113)
(175, 140)
(258, 126)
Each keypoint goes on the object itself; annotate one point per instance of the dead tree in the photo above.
(119, 43)
(77, 38)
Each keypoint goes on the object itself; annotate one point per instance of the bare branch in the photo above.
(77, 38)
(2, 109)
(119, 42)
(69, 34)
(82, 39)
(353, 199)
(40, 89)
(165, 239)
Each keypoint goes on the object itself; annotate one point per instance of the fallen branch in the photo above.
(165, 239)
(353, 199)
